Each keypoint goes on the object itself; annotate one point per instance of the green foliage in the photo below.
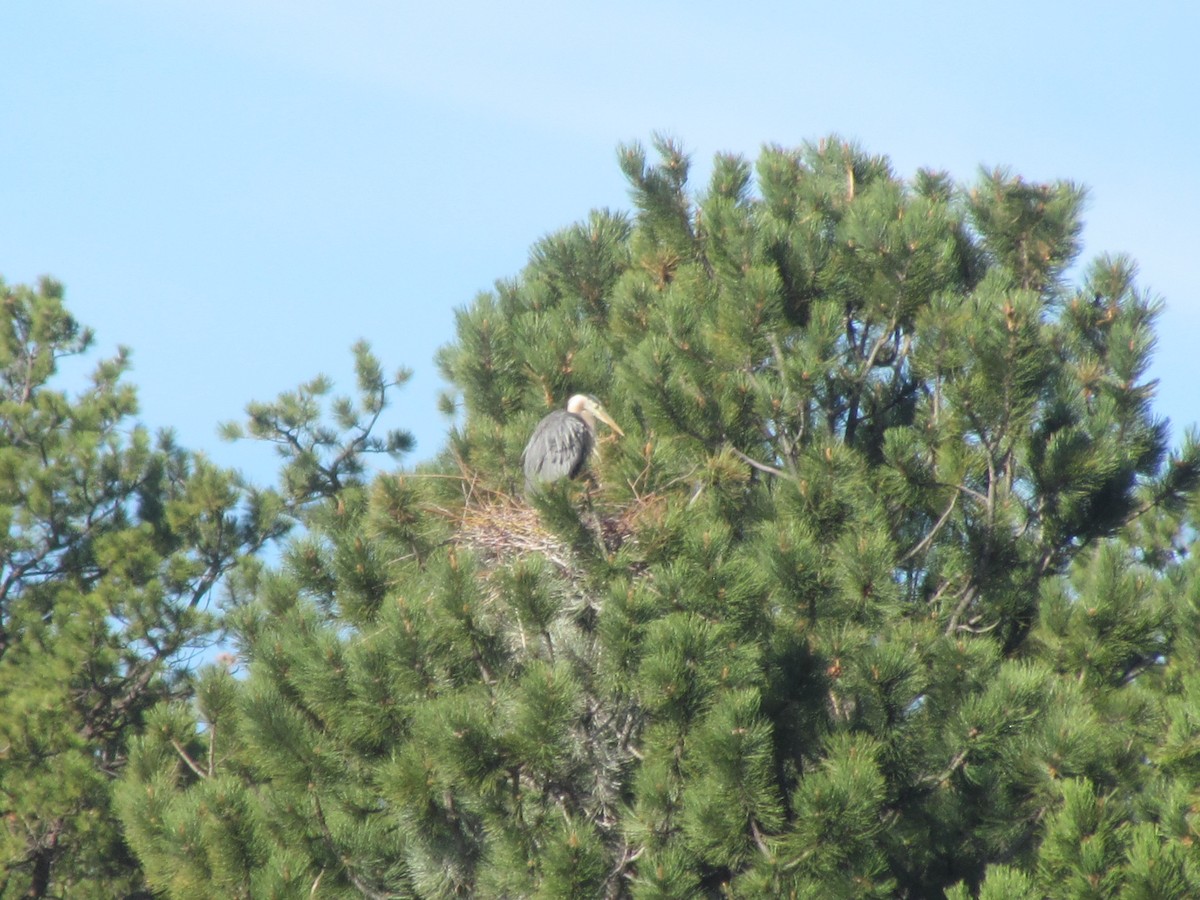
(886, 591)
(112, 545)
(321, 458)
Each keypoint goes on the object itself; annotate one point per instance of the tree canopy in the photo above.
(885, 592)
(112, 542)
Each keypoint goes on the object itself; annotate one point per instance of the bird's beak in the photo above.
(607, 420)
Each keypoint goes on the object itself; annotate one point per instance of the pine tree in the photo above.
(110, 548)
(883, 593)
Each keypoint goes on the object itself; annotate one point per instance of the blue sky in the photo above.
(239, 189)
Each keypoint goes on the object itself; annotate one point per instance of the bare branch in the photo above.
(183, 754)
(762, 467)
(928, 539)
(955, 764)
(967, 598)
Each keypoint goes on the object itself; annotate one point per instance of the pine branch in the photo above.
(956, 763)
(758, 839)
(762, 467)
(964, 603)
(928, 539)
(183, 754)
(357, 880)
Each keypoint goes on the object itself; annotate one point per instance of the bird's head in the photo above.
(589, 409)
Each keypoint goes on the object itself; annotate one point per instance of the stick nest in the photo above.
(500, 528)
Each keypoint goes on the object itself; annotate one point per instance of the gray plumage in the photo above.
(562, 442)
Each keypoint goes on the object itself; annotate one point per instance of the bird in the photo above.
(562, 442)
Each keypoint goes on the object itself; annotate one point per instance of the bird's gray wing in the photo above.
(558, 448)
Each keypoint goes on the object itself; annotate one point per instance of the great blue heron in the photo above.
(562, 442)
